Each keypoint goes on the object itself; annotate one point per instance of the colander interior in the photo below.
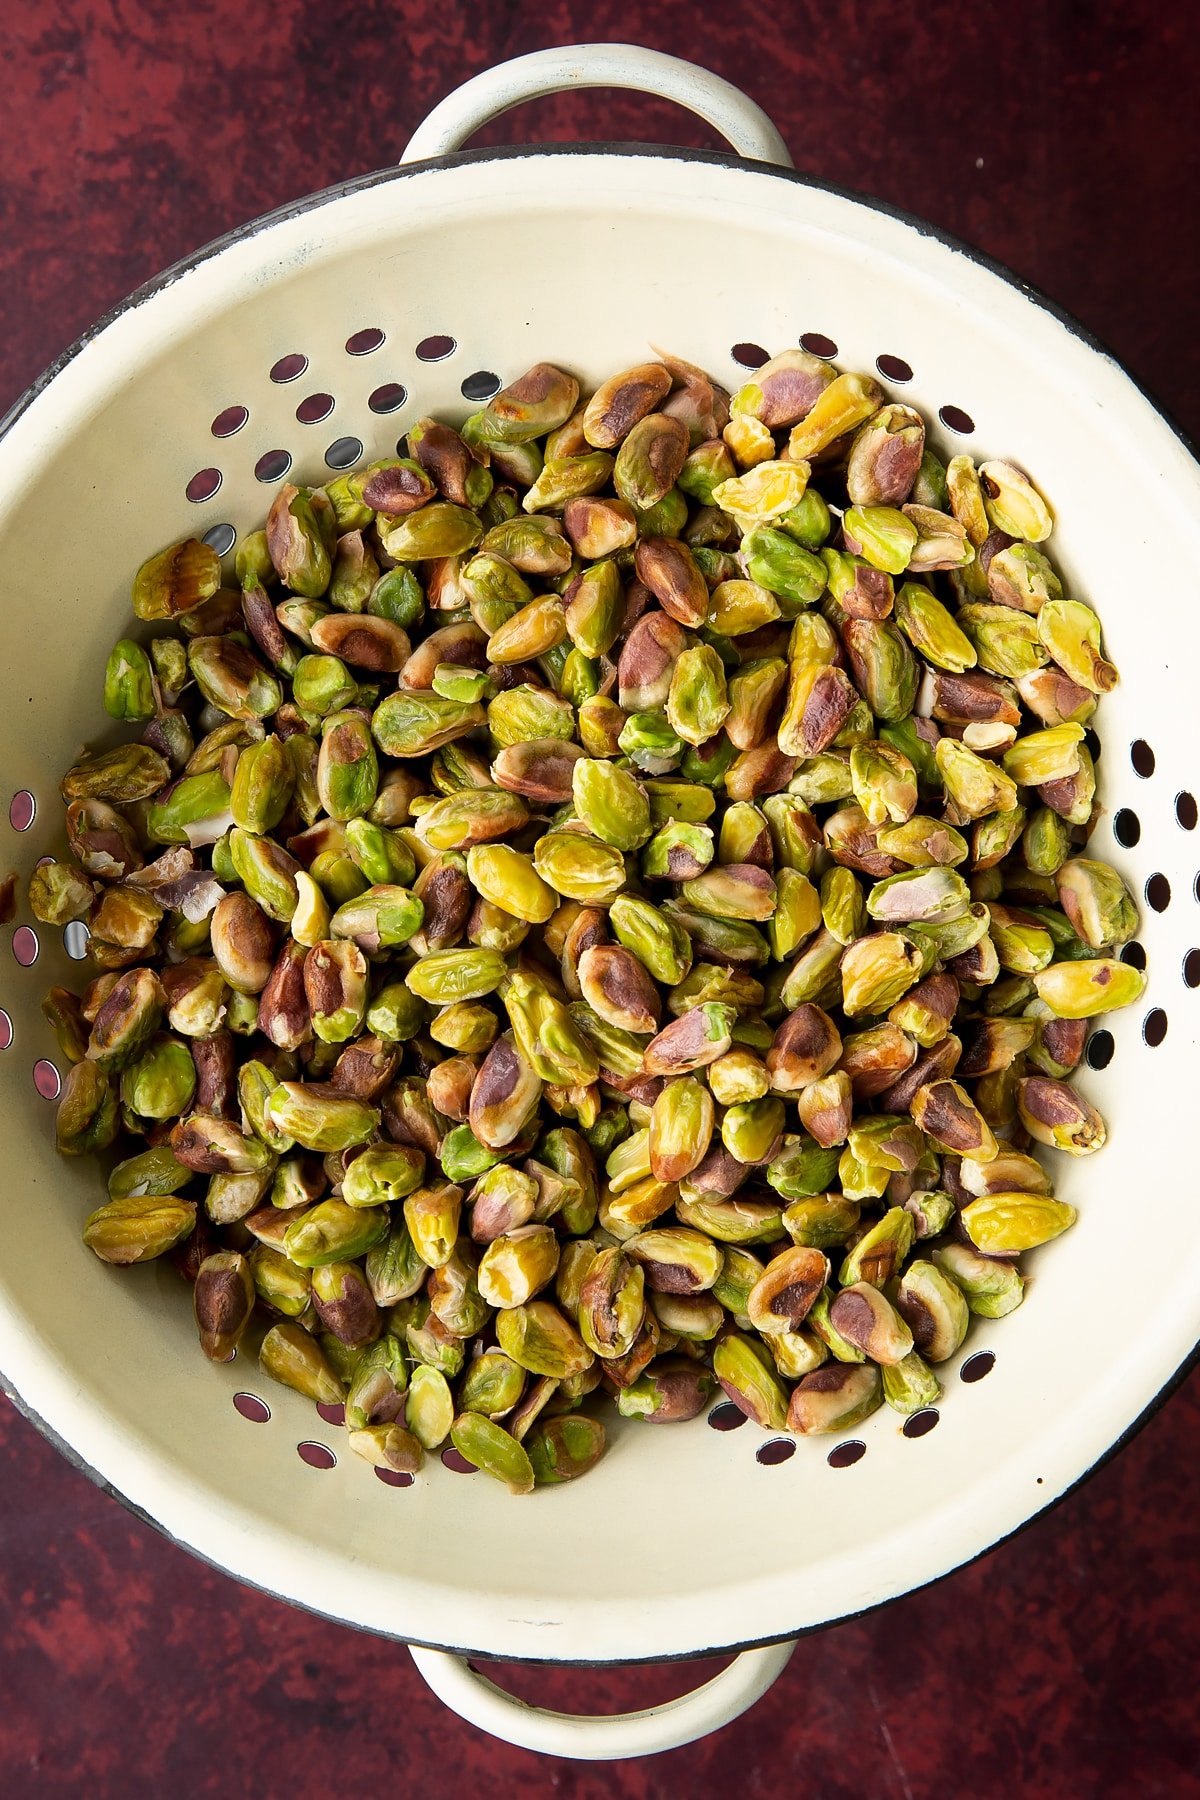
(314, 343)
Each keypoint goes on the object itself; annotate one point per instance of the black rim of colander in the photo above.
(296, 209)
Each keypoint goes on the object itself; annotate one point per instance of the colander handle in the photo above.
(474, 1698)
(454, 119)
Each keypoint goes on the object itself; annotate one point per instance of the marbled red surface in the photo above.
(1063, 138)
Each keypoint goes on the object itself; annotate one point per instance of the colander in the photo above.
(312, 339)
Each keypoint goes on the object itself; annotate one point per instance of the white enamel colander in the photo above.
(312, 339)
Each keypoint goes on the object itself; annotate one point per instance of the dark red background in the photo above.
(1063, 139)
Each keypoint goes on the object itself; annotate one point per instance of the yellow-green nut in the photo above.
(128, 773)
(680, 1132)
(137, 1228)
(563, 1448)
(946, 1113)
(783, 1294)
(333, 1232)
(882, 535)
(387, 1446)
(883, 782)
(1005, 1224)
(698, 701)
(517, 1265)
(677, 1259)
(739, 1272)
(867, 1320)
(834, 1397)
(796, 1353)
(931, 629)
(437, 530)
(490, 1448)
(382, 918)
(335, 987)
(1070, 632)
(929, 896)
(160, 1082)
(432, 1215)
(976, 786)
(776, 562)
(748, 1379)
(230, 677)
(751, 1130)
(697, 1318)
(537, 402)
(629, 1161)
(383, 1174)
(879, 1253)
(821, 1222)
(508, 879)
(991, 1289)
(396, 1014)
(195, 807)
(58, 893)
(610, 803)
(474, 816)
(129, 683)
(280, 1283)
(292, 1357)
(542, 1341)
(1013, 504)
(1045, 841)
(933, 1307)
(876, 971)
(445, 976)
(635, 1207)
(527, 714)
(659, 942)
(317, 1118)
(429, 1406)
(580, 867)
(842, 906)
(492, 1385)
(1048, 755)
(322, 685)
(797, 913)
(595, 608)
(262, 785)
(1096, 901)
(463, 1026)
(738, 1076)
(732, 891)
(267, 873)
(566, 478)
(1006, 642)
(176, 579)
(550, 1035)
(612, 1303)
(347, 767)
(1055, 1114)
(910, 1385)
(1022, 946)
(536, 545)
(394, 1270)
(151, 1172)
(415, 722)
(1080, 990)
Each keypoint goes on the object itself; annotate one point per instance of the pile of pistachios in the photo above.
(597, 907)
